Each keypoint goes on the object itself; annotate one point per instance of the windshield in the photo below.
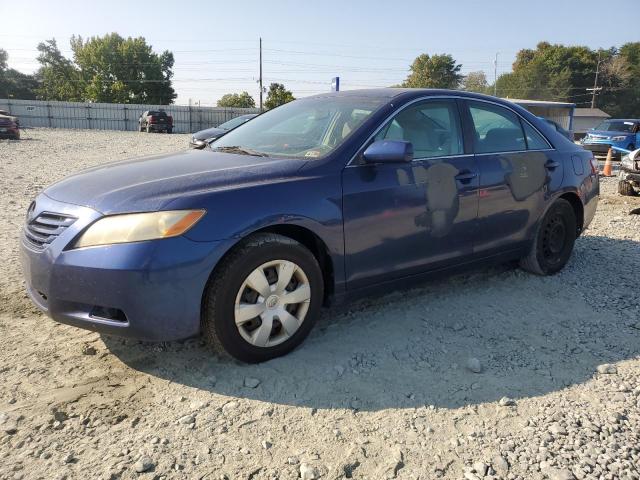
(616, 126)
(234, 122)
(308, 128)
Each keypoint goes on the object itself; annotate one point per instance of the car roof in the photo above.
(399, 93)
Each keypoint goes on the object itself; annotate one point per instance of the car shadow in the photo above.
(532, 335)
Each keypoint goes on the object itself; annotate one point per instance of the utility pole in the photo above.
(495, 76)
(595, 88)
(260, 81)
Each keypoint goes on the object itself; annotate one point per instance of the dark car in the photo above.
(155, 121)
(9, 127)
(319, 200)
(13, 117)
(622, 133)
(203, 137)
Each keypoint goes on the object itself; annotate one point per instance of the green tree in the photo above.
(550, 72)
(475, 82)
(237, 100)
(278, 95)
(436, 71)
(119, 70)
(620, 96)
(59, 78)
(14, 84)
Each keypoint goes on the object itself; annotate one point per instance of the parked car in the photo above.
(559, 128)
(13, 117)
(9, 127)
(155, 121)
(629, 177)
(623, 133)
(320, 200)
(200, 139)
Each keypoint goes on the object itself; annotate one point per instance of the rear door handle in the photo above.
(551, 165)
(466, 176)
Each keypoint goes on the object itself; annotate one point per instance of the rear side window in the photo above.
(496, 129)
(432, 127)
(535, 141)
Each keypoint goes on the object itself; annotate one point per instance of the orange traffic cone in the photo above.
(607, 170)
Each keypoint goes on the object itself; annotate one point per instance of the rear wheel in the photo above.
(148, 129)
(169, 130)
(626, 189)
(264, 299)
(553, 243)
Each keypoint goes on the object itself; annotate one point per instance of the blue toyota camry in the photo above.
(319, 200)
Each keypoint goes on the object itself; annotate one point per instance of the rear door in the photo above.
(406, 218)
(519, 172)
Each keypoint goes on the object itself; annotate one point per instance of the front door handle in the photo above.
(466, 176)
(551, 165)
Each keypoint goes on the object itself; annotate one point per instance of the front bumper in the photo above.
(630, 175)
(155, 287)
(601, 148)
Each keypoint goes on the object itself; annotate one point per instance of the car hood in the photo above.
(149, 183)
(209, 133)
(609, 133)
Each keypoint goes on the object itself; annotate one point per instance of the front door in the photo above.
(406, 218)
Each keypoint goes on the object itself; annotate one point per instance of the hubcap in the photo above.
(272, 303)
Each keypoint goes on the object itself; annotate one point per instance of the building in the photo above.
(560, 112)
(584, 119)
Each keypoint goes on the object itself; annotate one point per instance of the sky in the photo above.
(306, 43)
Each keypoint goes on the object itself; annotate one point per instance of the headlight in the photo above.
(620, 138)
(136, 227)
(626, 162)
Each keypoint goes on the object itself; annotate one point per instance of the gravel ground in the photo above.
(494, 374)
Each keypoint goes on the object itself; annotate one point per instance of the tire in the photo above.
(553, 242)
(228, 286)
(169, 130)
(626, 189)
(141, 128)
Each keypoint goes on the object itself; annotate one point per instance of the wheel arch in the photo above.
(304, 235)
(578, 208)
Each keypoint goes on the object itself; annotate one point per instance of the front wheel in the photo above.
(263, 299)
(626, 189)
(553, 243)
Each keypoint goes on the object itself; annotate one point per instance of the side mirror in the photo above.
(388, 151)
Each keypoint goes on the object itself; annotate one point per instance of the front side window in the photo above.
(308, 128)
(497, 129)
(432, 127)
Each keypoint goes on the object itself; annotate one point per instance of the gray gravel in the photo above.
(385, 388)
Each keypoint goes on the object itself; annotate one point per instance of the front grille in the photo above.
(45, 228)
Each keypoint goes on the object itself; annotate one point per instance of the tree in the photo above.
(119, 70)
(237, 100)
(278, 95)
(437, 71)
(550, 72)
(475, 82)
(14, 84)
(60, 78)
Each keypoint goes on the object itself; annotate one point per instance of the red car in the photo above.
(9, 127)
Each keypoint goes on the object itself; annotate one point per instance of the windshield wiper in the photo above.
(240, 150)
